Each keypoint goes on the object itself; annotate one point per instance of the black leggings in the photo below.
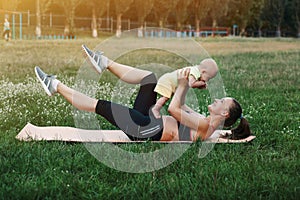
(138, 123)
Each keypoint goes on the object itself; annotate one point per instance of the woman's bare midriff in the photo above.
(170, 132)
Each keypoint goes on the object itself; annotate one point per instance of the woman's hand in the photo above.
(182, 76)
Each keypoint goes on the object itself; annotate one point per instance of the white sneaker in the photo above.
(97, 59)
(46, 81)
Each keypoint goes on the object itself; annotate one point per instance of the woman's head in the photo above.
(221, 107)
(235, 113)
(232, 111)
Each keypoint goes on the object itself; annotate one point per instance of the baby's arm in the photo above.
(159, 104)
(193, 83)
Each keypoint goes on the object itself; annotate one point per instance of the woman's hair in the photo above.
(243, 129)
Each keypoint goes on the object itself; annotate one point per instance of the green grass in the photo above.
(266, 84)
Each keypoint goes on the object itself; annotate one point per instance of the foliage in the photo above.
(69, 7)
(143, 8)
(162, 9)
(274, 13)
(218, 10)
(122, 6)
(182, 12)
(10, 5)
(201, 8)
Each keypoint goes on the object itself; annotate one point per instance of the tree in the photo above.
(10, 5)
(121, 7)
(69, 7)
(241, 11)
(218, 10)
(256, 15)
(181, 11)
(162, 10)
(98, 9)
(295, 12)
(42, 7)
(143, 9)
(201, 10)
(274, 13)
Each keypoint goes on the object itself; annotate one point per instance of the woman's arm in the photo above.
(177, 110)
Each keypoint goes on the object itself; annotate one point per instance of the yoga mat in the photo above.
(69, 134)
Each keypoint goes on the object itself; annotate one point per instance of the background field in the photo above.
(262, 74)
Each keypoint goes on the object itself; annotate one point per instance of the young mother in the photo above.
(138, 123)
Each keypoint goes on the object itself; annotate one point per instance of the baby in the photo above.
(198, 78)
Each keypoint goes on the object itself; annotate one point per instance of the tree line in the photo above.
(257, 15)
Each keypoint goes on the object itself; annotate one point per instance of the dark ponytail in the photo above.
(243, 129)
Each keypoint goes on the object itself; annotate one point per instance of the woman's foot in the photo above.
(49, 82)
(97, 59)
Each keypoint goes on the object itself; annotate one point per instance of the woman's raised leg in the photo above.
(51, 86)
(124, 72)
(127, 73)
(77, 99)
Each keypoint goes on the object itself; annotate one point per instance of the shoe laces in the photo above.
(51, 76)
(99, 53)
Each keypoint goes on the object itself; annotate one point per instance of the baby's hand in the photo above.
(199, 84)
(156, 113)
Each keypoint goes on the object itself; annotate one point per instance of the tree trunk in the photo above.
(179, 26)
(140, 32)
(243, 28)
(278, 32)
(94, 23)
(161, 23)
(259, 32)
(197, 21)
(243, 32)
(141, 21)
(67, 26)
(298, 32)
(72, 23)
(214, 25)
(260, 24)
(38, 29)
(119, 25)
(67, 29)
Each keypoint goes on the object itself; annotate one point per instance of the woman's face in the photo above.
(221, 106)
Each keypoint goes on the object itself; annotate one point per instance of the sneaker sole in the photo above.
(42, 82)
(92, 61)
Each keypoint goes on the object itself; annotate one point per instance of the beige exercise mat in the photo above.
(69, 134)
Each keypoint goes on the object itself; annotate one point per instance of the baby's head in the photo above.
(208, 69)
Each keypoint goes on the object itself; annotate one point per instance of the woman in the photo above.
(138, 123)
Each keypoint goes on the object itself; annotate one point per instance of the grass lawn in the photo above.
(262, 74)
